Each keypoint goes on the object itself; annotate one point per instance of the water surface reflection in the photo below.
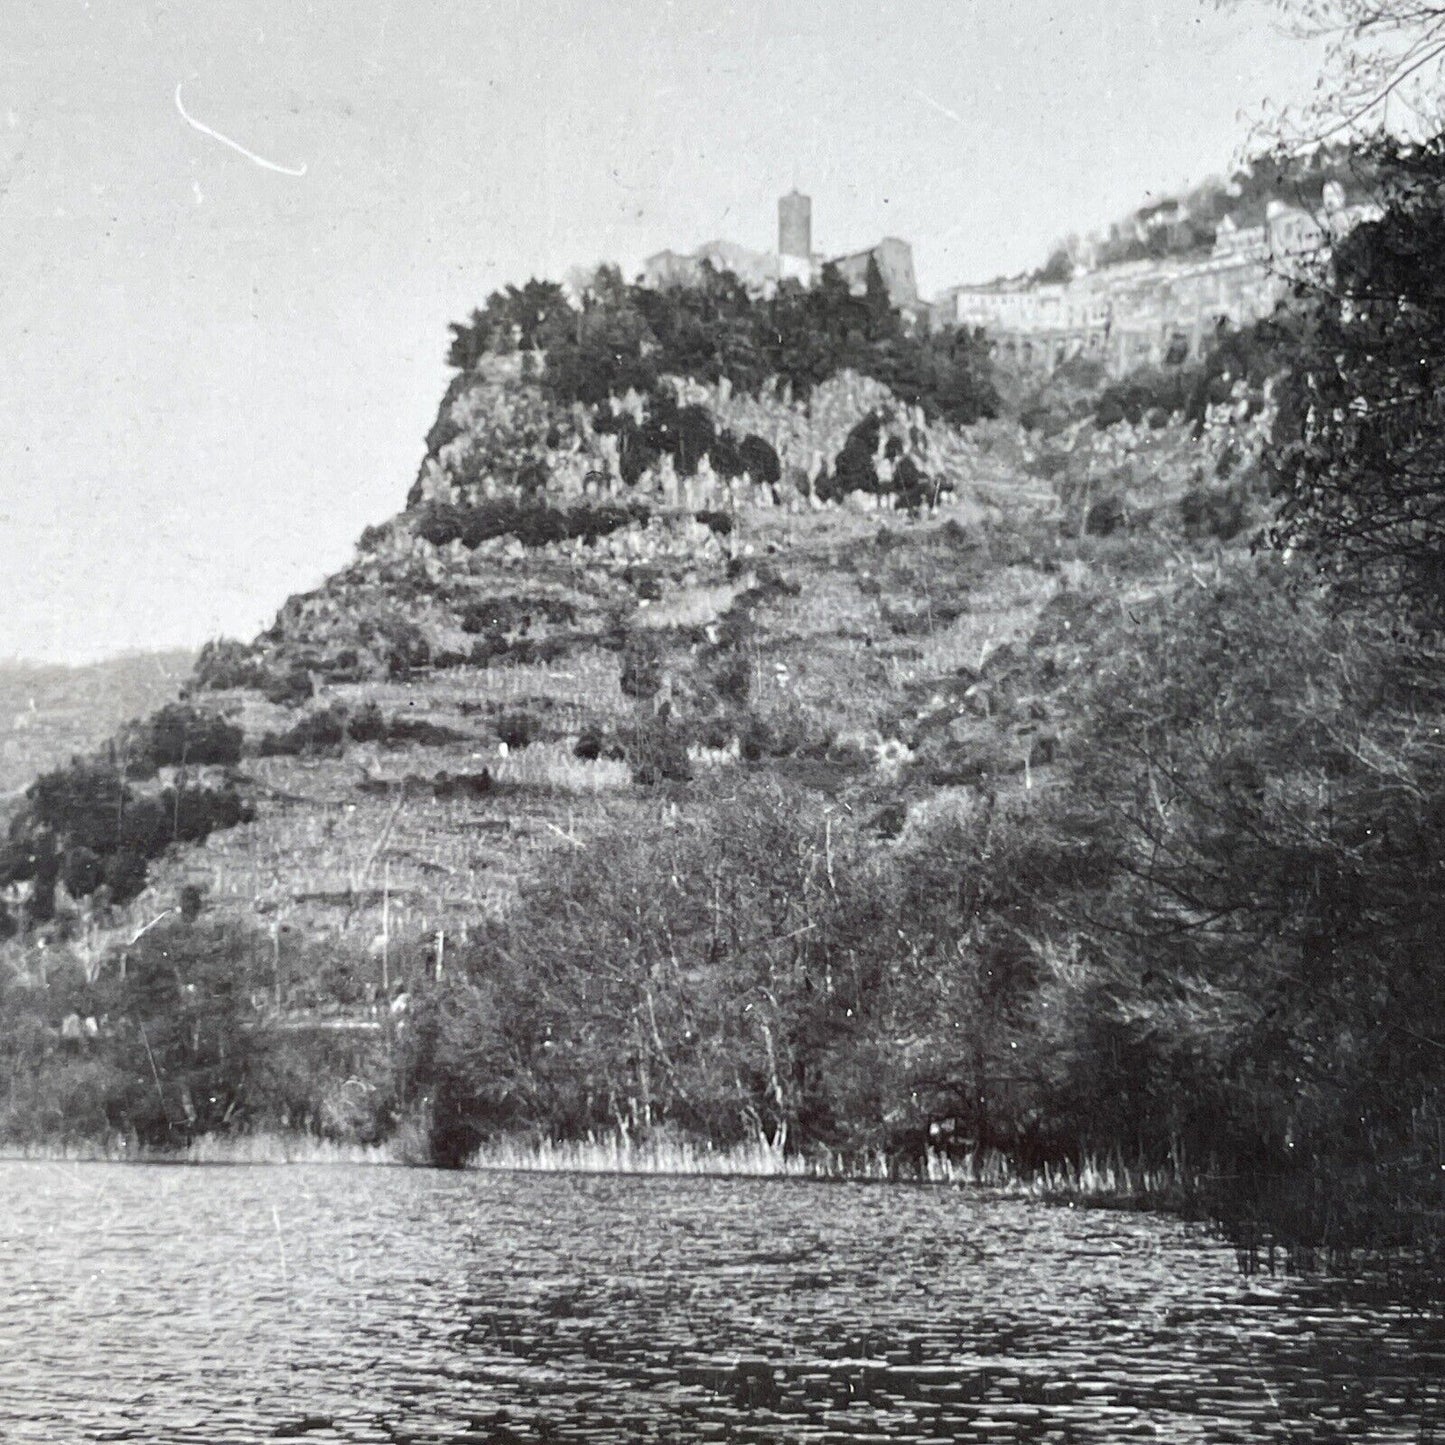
(251, 1303)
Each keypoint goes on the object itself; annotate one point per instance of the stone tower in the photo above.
(795, 237)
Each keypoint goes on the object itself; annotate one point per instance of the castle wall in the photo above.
(894, 259)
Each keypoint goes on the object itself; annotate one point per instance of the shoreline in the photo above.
(1094, 1183)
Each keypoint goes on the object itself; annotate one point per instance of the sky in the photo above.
(223, 322)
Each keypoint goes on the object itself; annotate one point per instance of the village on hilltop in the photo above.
(1156, 311)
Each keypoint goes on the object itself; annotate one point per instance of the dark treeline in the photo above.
(625, 337)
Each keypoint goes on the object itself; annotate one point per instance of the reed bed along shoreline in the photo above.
(1094, 1181)
(259, 1148)
(1091, 1181)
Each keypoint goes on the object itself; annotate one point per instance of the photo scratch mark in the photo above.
(927, 99)
(261, 161)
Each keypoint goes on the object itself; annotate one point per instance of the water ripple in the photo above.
(334, 1304)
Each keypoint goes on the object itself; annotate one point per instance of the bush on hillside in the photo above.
(515, 613)
(1146, 394)
(518, 729)
(534, 524)
(315, 734)
(720, 523)
(1106, 516)
(82, 871)
(290, 688)
(226, 663)
(179, 735)
(656, 752)
(643, 664)
(1219, 512)
(760, 460)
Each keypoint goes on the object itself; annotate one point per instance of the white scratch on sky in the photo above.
(190, 120)
(927, 99)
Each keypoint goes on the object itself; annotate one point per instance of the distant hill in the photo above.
(49, 712)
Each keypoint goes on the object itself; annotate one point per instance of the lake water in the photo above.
(250, 1303)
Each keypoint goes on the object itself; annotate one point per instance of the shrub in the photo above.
(320, 732)
(1150, 393)
(854, 471)
(82, 870)
(514, 613)
(696, 434)
(125, 874)
(421, 732)
(197, 812)
(727, 456)
(760, 460)
(657, 753)
(785, 733)
(191, 901)
(1213, 512)
(911, 485)
(532, 522)
(642, 665)
(145, 827)
(646, 582)
(289, 689)
(367, 724)
(719, 522)
(1105, 516)
(179, 734)
(226, 663)
(731, 677)
(517, 730)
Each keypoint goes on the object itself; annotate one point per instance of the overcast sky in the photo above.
(216, 372)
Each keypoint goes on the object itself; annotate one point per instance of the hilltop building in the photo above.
(794, 260)
(795, 238)
(1154, 312)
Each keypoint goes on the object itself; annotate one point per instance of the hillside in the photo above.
(436, 716)
(538, 652)
(49, 712)
(746, 738)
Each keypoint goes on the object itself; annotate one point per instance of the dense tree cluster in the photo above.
(164, 1045)
(516, 318)
(624, 337)
(533, 523)
(87, 826)
(1359, 458)
(686, 433)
